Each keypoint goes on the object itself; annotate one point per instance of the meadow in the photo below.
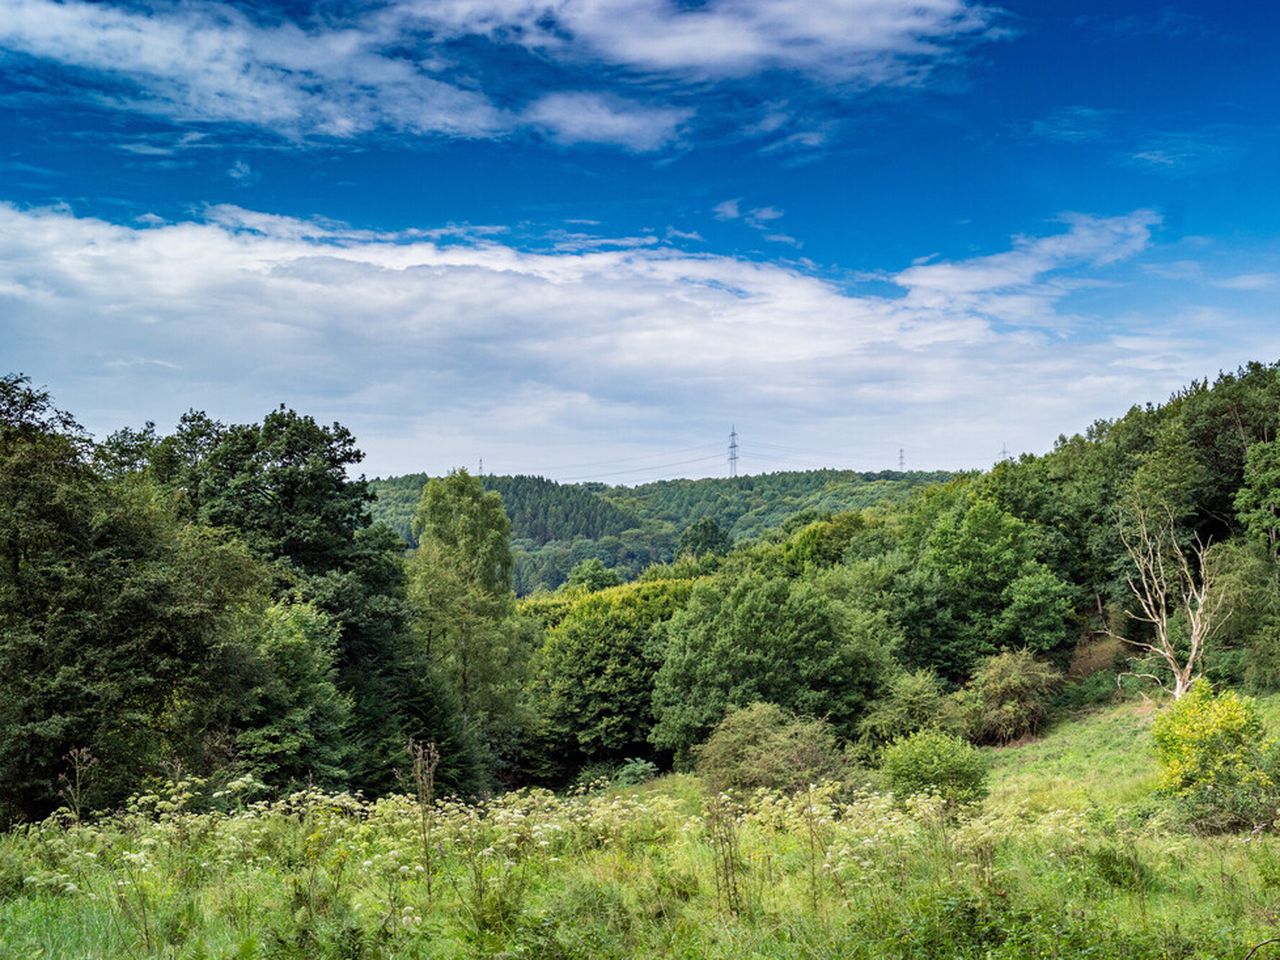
(1067, 857)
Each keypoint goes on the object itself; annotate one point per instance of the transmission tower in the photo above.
(1004, 451)
(733, 451)
(902, 459)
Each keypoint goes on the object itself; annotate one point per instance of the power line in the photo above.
(613, 460)
(647, 469)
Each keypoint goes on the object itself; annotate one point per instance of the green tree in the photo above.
(702, 537)
(771, 640)
(297, 730)
(592, 575)
(591, 689)
(1257, 502)
(464, 609)
(978, 588)
(120, 627)
(282, 485)
(458, 515)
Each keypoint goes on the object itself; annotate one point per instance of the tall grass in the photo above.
(662, 870)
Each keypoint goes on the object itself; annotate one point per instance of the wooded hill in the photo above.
(556, 526)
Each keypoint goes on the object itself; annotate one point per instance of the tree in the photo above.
(464, 610)
(1257, 502)
(296, 732)
(1175, 587)
(977, 589)
(753, 639)
(592, 575)
(466, 521)
(121, 629)
(282, 485)
(591, 689)
(704, 536)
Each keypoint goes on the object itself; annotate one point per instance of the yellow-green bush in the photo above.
(1216, 761)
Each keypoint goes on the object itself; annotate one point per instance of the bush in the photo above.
(1011, 693)
(935, 762)
(765, 746)
(1216, 763)
(635, 772)
(914, 701)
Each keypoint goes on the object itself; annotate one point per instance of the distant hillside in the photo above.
(540, 510)
(555, 526)
(748, 506)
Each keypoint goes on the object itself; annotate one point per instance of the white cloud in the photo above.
(1018, 286)
(593, 118)
(211, 63)
(864, 41)
(1249, 281)
(390, 67)
(727, 209)
(242, 173)
(1074, 125)
(433, 350)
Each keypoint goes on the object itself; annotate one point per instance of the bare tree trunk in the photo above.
(1170, 579)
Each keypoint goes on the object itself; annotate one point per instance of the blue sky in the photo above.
(584, 237)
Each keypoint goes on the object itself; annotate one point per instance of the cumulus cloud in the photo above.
(434, 344)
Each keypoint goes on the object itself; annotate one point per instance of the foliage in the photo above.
(592, 575)
(933, 762)
(1010, 695)
(556, 526)
(469, 525)
(122, 631)
(764, 746)
(1257, 501)
(823, 543)
(1216, 761)
(911, 701)
(749, 639)
(978, 588)
(592, 683)
(297, 731)
(702, 537)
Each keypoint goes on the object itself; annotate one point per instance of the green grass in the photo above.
(1053, 865)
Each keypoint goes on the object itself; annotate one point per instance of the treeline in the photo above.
(220, 598)
(555, 527)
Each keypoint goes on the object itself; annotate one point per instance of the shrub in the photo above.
(1011, 696)
(1216, 763)
(913, 701)
(634, 772)
(931, 761)
(765, 746)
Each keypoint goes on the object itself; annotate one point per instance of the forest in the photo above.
(555, 527)
(253, 705)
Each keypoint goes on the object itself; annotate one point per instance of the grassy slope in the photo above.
(1100, 759)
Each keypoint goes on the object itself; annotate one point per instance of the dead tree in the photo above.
(1170, 579)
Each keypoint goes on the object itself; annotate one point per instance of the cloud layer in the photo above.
(435, 346)
(406, 67)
